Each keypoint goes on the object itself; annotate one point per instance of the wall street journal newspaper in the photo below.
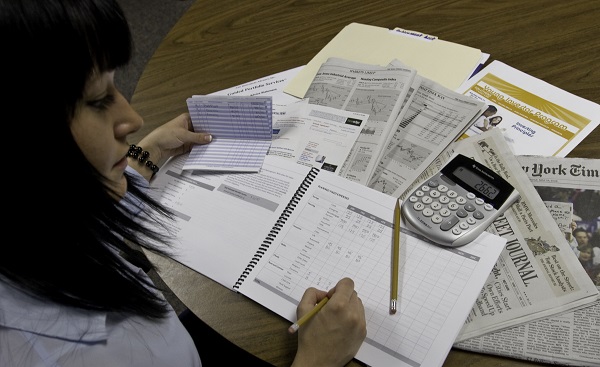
(570, 188)
(537, 274)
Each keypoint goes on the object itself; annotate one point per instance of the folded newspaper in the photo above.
(374, 90)
(431, 119)
(411, 119)
(570, 188)
(537, 274)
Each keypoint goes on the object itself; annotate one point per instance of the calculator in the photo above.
(458, 203)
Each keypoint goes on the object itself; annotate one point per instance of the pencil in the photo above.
(395, 255)
(292, 329)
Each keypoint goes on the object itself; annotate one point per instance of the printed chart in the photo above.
(328, 241)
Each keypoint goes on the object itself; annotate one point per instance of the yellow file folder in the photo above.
(447, 63)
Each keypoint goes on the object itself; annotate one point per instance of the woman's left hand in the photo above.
(173, 138)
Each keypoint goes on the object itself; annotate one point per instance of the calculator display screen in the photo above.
(475, 181)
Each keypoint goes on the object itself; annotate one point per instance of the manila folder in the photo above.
(447, 63)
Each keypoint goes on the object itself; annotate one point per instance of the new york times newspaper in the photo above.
(537, 274)
(570, 188)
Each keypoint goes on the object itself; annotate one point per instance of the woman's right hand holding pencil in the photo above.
(333, 335)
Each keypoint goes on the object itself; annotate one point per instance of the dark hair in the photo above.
(579, 229)
(495, 117)
(492, 108)
(589, 263)
(587, 247)
(73, 226)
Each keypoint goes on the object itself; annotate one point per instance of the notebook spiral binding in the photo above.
(278, 225)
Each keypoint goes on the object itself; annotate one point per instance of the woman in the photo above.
(67, 297)
(494, 121)
(482, 122)
(587, 258)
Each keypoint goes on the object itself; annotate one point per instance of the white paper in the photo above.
(315, 136)
(537, 118)
(241, 128)
(217, 214)
(342, 228)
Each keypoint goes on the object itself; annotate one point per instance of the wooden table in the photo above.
(220, 44)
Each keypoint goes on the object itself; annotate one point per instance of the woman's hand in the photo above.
(172, 138)
(333, 336)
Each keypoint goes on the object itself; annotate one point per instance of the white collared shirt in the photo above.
(41, 333)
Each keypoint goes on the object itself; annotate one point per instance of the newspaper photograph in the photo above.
(570, 188)
(535, 117)
(537, 274)
(370, 89)
(433, 118)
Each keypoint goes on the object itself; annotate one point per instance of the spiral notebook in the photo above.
(272, 234)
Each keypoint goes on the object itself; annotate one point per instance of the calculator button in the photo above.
(413, 199)
(461, 213)
(418, 206)
(488, 207)
(434, 194)
(436, 205)
(442, 188)
(461, 200)
(456, 231)
(425, 188)
(419, 193)
(463, 225)
(479, 201)
(444, 200)
(445, 212)
(427, 212)
(453, 206)
(478, 215)
(437, 219)
(470, 196)
(448, 223)
(470, 207)
(471, 220)
(426, 200)
(451, 194)
(433, 183)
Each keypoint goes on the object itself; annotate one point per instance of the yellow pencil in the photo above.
(292, 329)
(395, 256)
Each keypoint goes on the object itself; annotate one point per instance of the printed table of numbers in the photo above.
(328, 241)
